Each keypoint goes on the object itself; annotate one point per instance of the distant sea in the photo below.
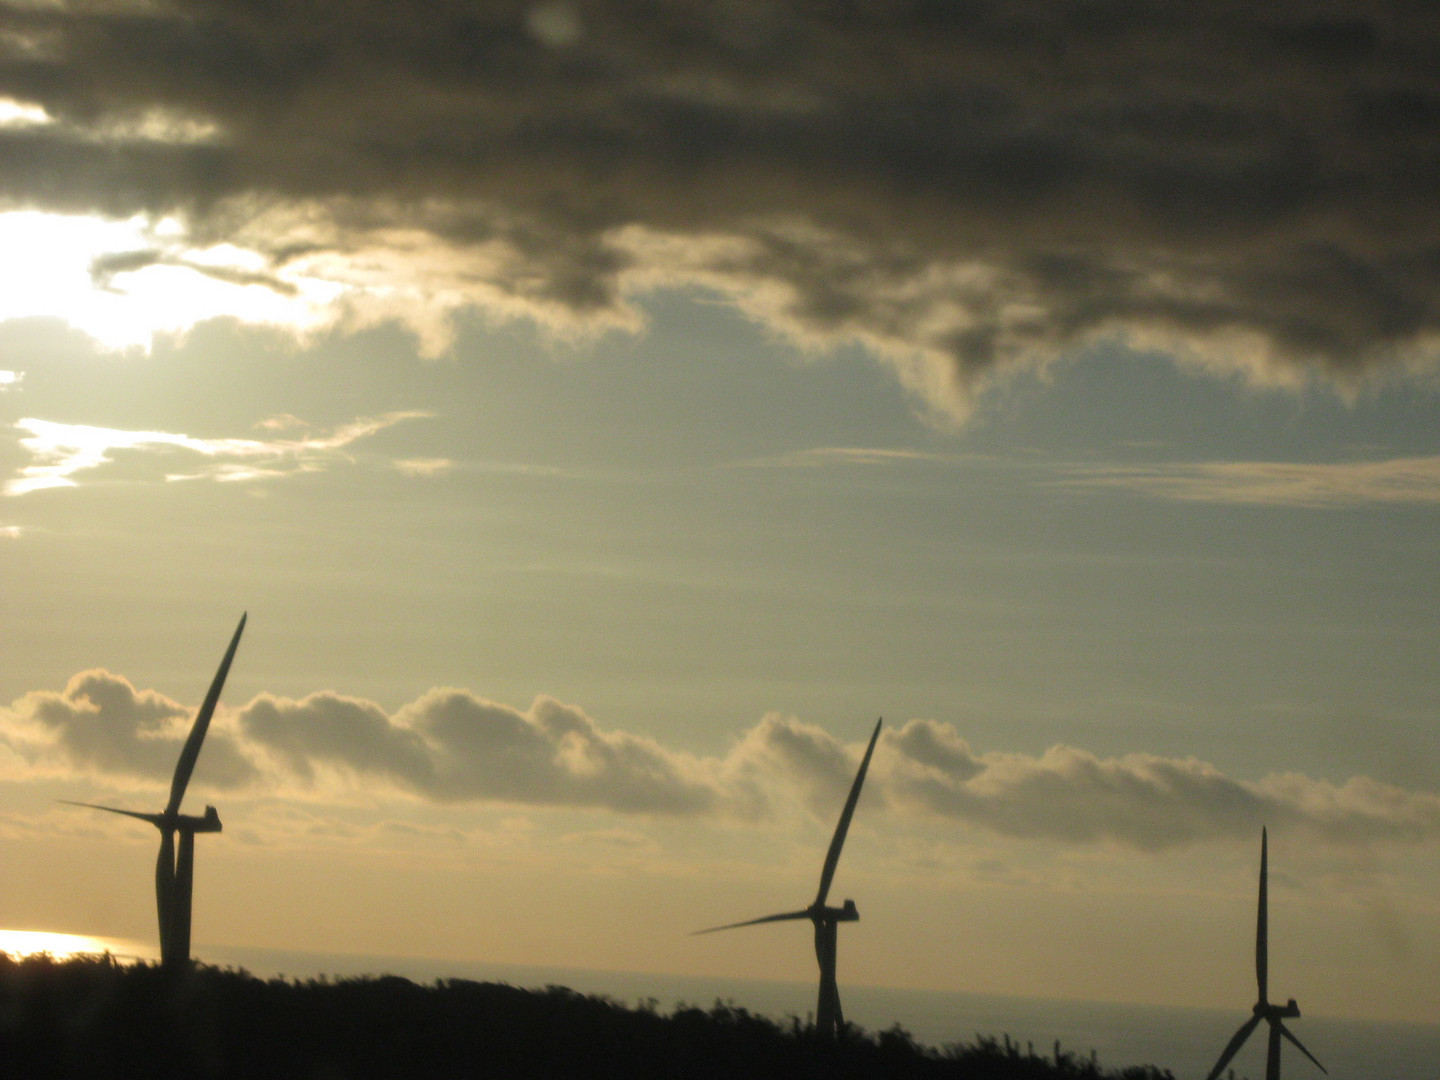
(1185, 1041)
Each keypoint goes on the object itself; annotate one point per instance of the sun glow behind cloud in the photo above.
(21, 114)
(123, 282)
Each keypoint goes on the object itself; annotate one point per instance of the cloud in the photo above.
(424, 466)
(101, 726)
(450, 747)
(1141, 800)
(963, 187)
(61, 450)
(10, 380)
(1318, 485)
(104, 267)
(857, 456)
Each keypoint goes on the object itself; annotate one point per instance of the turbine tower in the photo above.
(828, 1017)
(175, 875)
(1274, 1015)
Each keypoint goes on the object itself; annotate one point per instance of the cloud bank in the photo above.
(962, 186)
(452, 747)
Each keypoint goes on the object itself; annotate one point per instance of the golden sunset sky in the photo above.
(605, 412)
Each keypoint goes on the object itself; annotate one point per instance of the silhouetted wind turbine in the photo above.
(175, 877)
(828, 1017)
(1271, 1014)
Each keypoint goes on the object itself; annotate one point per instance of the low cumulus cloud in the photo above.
(1142, 800)
(451, 747)
(101, 726)
(965, 187)
(59, 451)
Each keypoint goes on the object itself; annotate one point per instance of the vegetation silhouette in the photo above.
(95, 1018)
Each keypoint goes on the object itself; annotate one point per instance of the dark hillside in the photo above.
(93, 1018)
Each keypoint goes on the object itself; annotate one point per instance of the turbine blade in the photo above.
(832, 857)
(829, 1018)
(782, 917)
(190, 752)
(181, 899)
(1301, 1047)
(153, 819)
(1236, 1041)
(1262, 929)
(165, 892)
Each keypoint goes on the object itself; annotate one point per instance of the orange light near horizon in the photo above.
(62, 946)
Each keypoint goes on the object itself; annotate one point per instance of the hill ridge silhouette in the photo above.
(94, 1017)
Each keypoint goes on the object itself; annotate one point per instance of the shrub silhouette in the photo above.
(94, 1018)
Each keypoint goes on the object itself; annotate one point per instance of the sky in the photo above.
(605, 412)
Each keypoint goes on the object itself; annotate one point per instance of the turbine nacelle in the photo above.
(208, 822)
(1288, 1011)
(847, 913)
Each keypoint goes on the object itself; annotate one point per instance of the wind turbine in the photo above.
(175, 876)
(1274, 1015)
(828, 1018)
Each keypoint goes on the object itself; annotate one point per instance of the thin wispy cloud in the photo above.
(857, 456)
(60, 451)
(453, 747)
(424, 466)
(1317, 485)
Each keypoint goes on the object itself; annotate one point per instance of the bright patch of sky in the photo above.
(123, 282)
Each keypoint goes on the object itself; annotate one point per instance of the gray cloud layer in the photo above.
(963, 185)
(452, 747)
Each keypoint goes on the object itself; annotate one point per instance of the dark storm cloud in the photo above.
(959, 184)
